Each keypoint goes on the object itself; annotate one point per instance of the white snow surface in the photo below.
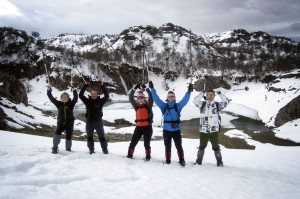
(290, 130)
(29, 170)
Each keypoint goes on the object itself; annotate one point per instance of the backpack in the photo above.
(177, 111)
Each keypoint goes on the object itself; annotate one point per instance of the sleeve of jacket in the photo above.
(52, 99)
(184, 100)
(106, 95)
(224, 102)
(75, 98)
(150, 100)
(157, 100)
(131, 98)
(197, 100)
(81, 95)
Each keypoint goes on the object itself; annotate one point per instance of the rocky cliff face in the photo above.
(13, 89)
(289, 112)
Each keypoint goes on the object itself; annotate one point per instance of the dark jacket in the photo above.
(65, 109)
(94, 107)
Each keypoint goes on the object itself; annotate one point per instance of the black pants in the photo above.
(139, 131)
(98, 126)
(214, 139)
(176, 136)
(68, 127)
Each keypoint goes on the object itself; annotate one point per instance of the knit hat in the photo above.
(140, 94)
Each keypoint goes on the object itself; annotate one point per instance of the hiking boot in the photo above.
(220, 163)
(105, 151)
(54, 150)
(92, 151)
(148, 154)
(69, 150)
(219, 158)
(148, 157)
(198, 161)
(182, 162)
(168, 157)
(130, 153)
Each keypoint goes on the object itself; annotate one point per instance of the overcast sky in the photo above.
(53, 17)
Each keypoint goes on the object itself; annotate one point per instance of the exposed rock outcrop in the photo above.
(289, 112)
(13, 89)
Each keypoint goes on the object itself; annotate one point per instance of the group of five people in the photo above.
(209, 119)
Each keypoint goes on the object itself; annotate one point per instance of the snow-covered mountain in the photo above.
(223, 60)
(164, 50)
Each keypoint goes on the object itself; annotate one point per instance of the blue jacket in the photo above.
(170, 113)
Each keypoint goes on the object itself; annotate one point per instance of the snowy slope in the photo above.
(29, 170)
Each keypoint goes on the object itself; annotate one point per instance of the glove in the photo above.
(86, 85)
(151, 85)
(72, 87)
(143, 86)
(191, 87)
(218, 92)
(100, 84)
(137, 86)
(49, 88)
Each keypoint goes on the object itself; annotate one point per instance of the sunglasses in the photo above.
(211, 95)
(171, 97)
(141, 97)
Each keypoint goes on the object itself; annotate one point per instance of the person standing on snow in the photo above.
(210, 123)
(65, 119)
(144, 117)
(171, 127)
(94, 113)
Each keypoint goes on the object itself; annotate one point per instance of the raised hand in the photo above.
(151, 85)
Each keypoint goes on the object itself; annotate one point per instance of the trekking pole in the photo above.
(204, 85)
(48, 76)
(191, 63)
(74, 66)
(238, 89)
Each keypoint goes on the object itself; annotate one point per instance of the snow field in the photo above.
(29, 170)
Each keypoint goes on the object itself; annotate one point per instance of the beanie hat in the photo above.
(140, 94)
